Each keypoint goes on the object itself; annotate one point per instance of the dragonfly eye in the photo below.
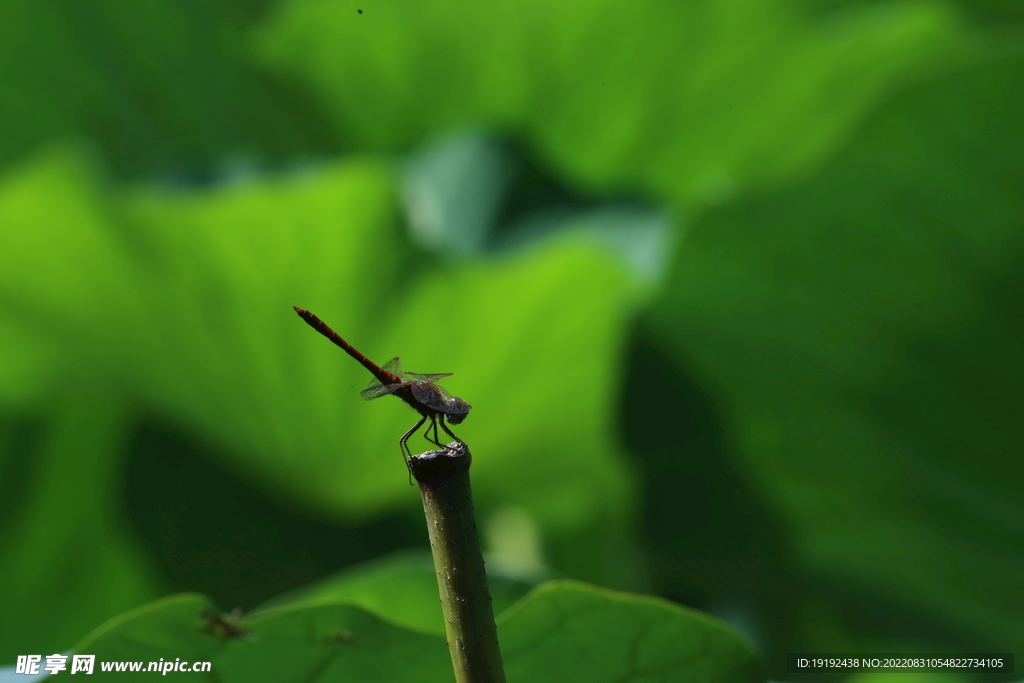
(458, 412)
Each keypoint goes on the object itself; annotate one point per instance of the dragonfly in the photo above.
(432, 402)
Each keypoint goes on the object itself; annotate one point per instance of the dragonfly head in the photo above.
(457, 410)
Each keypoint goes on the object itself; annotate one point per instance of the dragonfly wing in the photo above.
(394, 366)
(379, 390)
(430, 395)
(427, 378)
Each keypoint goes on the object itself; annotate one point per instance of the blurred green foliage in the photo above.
(163, 87)
(866, 327)
(401, 586)
(807, 427)
(687, 101)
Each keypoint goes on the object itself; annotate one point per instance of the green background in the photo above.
(730, 286)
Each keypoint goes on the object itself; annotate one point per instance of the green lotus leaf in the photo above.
(561, 631)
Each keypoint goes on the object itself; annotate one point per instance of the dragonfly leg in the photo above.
(406, 453)
(426, 434)
(447, 431)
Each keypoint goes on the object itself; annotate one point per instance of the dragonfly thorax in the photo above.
(436, 399)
